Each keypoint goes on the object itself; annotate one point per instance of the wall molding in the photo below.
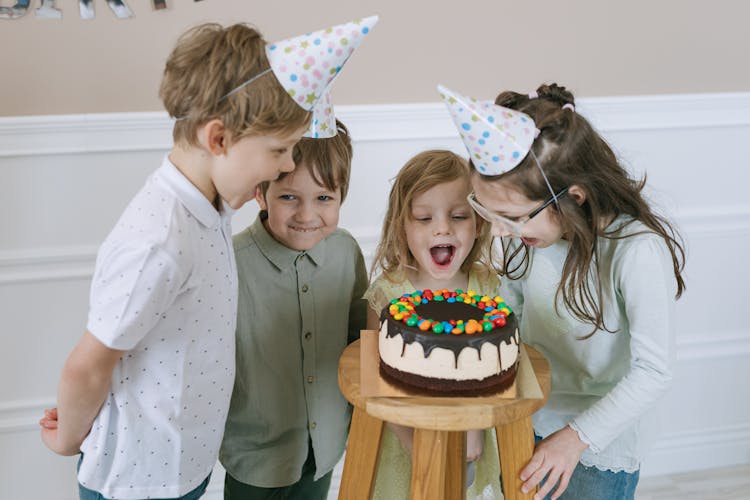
(76, 134)
(77, 262)
(721, 344)
(711, 222)
(21, 416)
(704, 448)
(49, 264)
(672, 452)
(671, 111)
(151, 131)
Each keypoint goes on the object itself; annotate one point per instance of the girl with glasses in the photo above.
(593, 273)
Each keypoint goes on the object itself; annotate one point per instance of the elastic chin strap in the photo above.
(244, 84)
(234, 90)
(544, 176)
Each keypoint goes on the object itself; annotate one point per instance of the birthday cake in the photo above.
(449, 343)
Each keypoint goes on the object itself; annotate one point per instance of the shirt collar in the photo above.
(191, 197)
(281, 256)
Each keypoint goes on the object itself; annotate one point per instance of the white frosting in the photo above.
(441, 363)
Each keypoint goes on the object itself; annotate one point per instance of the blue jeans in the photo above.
(87, 494)
(590, 483)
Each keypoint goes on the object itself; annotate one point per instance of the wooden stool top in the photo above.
(442, 413)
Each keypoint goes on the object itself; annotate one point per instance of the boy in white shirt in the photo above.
(145, 392)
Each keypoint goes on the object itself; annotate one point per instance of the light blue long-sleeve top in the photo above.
(605, 387)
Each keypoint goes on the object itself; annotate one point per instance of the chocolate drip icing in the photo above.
(443, 311)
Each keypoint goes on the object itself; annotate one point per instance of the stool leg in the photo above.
(515, 444)
(362, 454)
(455, 474)
(430, 459)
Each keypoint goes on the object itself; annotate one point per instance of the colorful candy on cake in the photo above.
(449, 343)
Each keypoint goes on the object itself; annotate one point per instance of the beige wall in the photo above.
(595, 47)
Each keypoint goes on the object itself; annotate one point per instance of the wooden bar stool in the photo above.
(439, 441)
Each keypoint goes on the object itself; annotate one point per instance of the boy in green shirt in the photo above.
(301, 282)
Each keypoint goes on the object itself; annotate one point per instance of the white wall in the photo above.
(65, 179)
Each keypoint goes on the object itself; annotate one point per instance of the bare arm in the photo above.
(474, 444)
(358, 310)
(84, 382)
(373, 319)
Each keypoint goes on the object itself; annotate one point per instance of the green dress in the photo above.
(394, 470)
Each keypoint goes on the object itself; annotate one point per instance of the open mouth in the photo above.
(443, 255)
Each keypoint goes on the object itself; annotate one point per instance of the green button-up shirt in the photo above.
(297, 313)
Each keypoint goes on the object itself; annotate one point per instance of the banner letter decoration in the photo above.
(121, 10)
(18, 10)
(48, 10)
(162, 4)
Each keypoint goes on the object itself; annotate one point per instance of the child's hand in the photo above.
(555, 458)
(49, 420)
(474, 444)
(51, 438)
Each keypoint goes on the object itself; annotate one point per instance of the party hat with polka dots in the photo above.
(306, 65)
(497, 138)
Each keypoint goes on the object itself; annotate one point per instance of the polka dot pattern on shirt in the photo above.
(165, 291)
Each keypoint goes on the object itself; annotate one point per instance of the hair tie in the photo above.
(533, 95)
(570, 107)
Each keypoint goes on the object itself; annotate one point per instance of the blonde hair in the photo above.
(329, 161)
(208, 62)
(422, 172)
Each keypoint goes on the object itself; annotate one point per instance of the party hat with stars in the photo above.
(496, 138)
(306, 65)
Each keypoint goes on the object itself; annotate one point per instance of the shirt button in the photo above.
(308, 335)
(312, 425)
(310, 379)
(305, 288)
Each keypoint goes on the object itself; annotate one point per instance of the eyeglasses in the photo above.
(509, 226)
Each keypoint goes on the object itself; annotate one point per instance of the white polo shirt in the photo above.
(164, 290)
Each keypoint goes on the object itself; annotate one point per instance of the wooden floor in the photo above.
(729, 483)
